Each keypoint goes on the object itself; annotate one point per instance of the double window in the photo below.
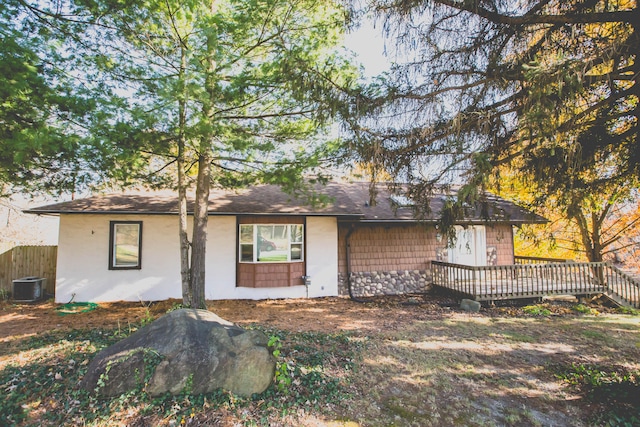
(271, 242)
(125, 245)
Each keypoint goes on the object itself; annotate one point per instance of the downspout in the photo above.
(348, 256)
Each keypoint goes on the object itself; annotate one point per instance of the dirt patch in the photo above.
(417, 360)
(320, 315)
(24, 320)
(376, 315)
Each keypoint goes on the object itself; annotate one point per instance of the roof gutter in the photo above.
(211, 213)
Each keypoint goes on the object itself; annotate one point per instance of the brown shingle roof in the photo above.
(348, 200)
(388, 210)
(263, 199)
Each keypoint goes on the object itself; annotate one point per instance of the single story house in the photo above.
(264, 243)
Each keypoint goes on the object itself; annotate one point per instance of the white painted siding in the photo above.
(322, 256)
(83, 258)
(220, 276)
(321, 253)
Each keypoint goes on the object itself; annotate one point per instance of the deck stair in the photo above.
(622, 288)
(615, 299)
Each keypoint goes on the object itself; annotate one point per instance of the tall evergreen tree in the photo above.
(202, 93)
(42, 108)
(547, 87)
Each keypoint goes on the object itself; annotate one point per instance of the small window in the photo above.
(271, 242)
(246, 243)
(125, 245)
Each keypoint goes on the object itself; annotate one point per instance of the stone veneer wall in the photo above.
(396, 259)
(366, 284)
(387, 260)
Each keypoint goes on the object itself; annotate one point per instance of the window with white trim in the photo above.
(271, 243)
(125, 245)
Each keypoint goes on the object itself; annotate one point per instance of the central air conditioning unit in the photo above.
(29, 289)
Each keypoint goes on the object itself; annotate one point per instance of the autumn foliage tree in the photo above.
(596, 227)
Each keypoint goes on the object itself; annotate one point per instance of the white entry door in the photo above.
(470, 247)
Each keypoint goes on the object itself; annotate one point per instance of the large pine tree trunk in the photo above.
(199, 239)
(184, 240)
(185, 268)
(203, 185)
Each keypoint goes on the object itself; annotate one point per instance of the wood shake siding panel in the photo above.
(501, 238)
(389, 260)
(270, 275)
(379, 248)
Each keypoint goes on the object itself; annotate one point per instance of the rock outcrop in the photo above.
(187, 349)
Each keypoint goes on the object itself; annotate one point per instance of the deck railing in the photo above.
(519, 259)
(622, 287)
(498, 282)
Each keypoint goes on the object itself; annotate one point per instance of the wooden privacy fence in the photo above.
(501, 282)
(24, 261)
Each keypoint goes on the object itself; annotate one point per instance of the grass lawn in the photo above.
(383, 363)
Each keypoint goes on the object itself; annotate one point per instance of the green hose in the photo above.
(76, 308)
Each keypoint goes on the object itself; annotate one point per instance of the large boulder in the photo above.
(187, 349)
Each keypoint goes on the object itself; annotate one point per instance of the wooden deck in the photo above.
(523, 281)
